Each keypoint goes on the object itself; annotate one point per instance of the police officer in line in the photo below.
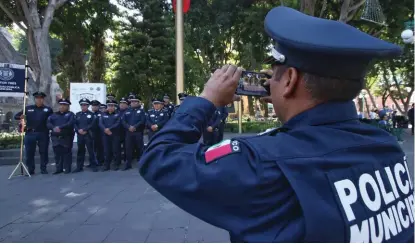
(211, 133)
(109, 124)
(111, 96)
(97, 134)
(134, 121)
(103, 108)
(36, 132)
(322, 177)
(181, 96)
(130, 94)
(156, 117)
(61, 124)
(224, 115)
(85, 121)
(123, 106)
(168, 105)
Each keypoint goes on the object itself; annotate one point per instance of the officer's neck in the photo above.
(86, 110)
(39, 105)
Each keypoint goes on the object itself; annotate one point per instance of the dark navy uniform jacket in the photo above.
(110, 121)
(65, 122)
(97, 116)
(322, 177)
(134, 117)
(85, 121)
(36, 118)
(169, 107)
(157, 117)
(224, 113)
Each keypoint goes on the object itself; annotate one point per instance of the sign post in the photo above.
(179, 49)
(13, 82)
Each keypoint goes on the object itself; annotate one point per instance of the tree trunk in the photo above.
(265, 107)
(251, 109)
(45, 77)
(308, 7)
(97, 61)
(372, 99)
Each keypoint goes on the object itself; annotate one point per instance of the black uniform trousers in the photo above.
(41, 139)
(134, 142)
(85, 141)
(122, 144)
(112, 149)
(62, 148)
(98, 147)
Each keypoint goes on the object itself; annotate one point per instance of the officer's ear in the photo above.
(290, 79)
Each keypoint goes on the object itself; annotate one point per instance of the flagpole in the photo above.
(179, 49)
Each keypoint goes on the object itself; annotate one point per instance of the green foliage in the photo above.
(9, 140)
(144, 52)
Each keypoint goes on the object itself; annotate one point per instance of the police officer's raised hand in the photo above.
(221, 86)
(22, 116)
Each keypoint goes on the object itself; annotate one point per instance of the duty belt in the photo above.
(34, 130)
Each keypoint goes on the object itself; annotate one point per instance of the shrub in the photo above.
(251, 127)
(9, 140)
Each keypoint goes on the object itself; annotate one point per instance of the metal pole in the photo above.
(240, 116)
(179, 49)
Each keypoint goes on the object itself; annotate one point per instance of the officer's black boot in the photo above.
(77, 170)
(116, 167)
(43, 171)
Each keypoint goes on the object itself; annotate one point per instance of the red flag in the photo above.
(186, 6)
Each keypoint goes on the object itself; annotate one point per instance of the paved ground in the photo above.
(99, 207)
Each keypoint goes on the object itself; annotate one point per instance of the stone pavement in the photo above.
(100, 207)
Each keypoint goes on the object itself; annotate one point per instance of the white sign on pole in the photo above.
(91, 91)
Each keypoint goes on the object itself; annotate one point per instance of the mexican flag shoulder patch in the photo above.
(221, 149)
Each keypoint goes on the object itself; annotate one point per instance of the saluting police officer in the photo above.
(134, 121)
(168, 105)
(97, 133)
(322, 177)
(123, 105)
(85, 122)
(110, 127)
(62, 124)
(36, 132)
(156, 117)
(210, 134)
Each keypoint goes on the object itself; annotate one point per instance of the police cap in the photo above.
(157, 100)
(134, 98)
(95, 103)
(111, 102)
(166, 96)
(123, 100)
(84, 101)
(182, 95)
(102, 105)
(323, 47)
(110, 95)
(39, 94)
(64, 101)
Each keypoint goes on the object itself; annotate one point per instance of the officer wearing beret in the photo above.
(85, 121)
(156, 118)
(97, 134)
(168, 105)
(62, 124)
(109, 124)
(322, 177)
(134, 121)
(36, 132)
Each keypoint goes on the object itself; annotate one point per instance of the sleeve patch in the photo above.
(221, 149)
